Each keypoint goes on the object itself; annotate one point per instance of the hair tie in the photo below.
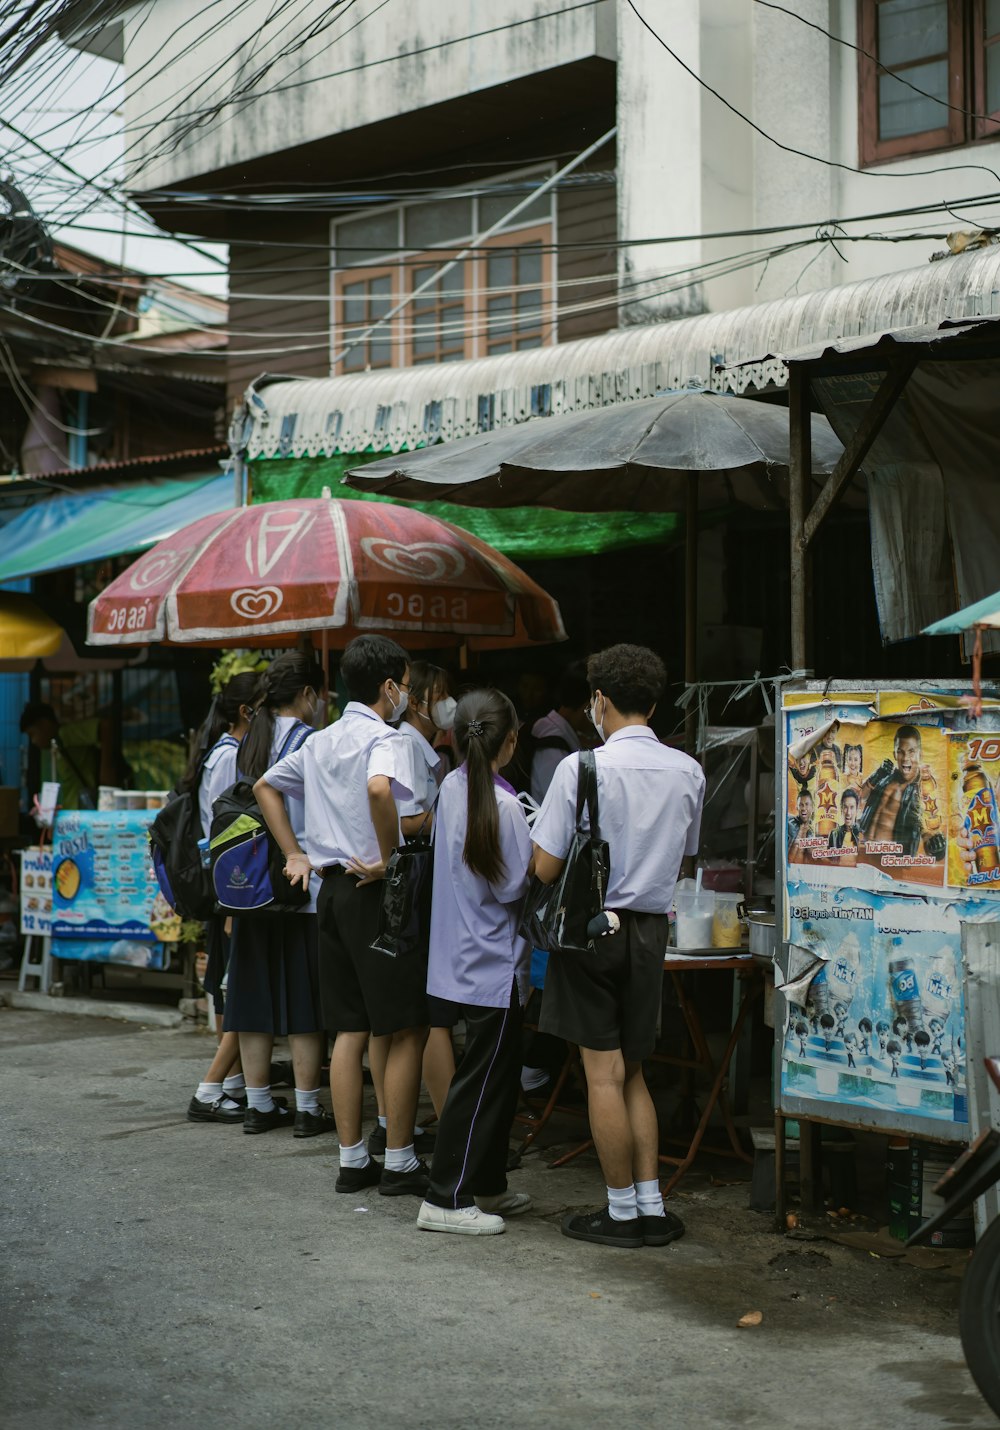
(476, 728)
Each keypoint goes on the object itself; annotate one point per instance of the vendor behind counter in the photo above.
(84, 748)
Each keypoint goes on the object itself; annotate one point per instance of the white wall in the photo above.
(180, 65)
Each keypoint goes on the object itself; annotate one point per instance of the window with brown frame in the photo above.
(928, 75)
(499, 299)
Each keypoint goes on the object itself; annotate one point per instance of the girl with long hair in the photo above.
(220, 1096)
(430, 711)
(479, 965)
(273, 962)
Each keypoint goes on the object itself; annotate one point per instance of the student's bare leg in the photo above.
(226, 1062)
(255, 1052)
(402, 1085)
(439, 1066)
(378, 1053)
(610, 1125)
(642, 1120)
(307, 1058)
(347, 1085)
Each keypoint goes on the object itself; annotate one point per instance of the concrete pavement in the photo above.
(159, 1273)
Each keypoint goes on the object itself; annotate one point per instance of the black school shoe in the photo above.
(312, 1124)
(213, 1111)
(255, 1121)
(282, 1075)
(406, 1184)
(599, 1227)
(356, 1179)
(661, 1230)
(423, 1141)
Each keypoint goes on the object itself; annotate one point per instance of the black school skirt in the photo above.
(273, 976)
(217, 955)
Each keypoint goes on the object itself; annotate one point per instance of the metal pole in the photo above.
(799, 474)
(691, 608)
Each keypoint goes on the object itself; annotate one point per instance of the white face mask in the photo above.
(598, 725)
(404, 700)
(443, 713)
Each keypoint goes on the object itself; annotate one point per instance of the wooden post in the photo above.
(799, 477)
(691, 608)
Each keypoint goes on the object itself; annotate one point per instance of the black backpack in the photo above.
(518, 772)
(248, 866)
(185, 882)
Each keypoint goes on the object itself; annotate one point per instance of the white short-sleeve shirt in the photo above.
(425, 770)
(649, 803)
(217, 774)
(330, 775)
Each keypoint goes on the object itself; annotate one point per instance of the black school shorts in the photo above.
(362, 990)
(609, 998)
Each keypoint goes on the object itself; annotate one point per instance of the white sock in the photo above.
(234, 1083)
(533, 1077)
(307, 1101)
(356, 1156)
(621, 1203)
(649, 1199)
(381, 1122)
(209, 1092)
(401, 1159)
(260, 1098)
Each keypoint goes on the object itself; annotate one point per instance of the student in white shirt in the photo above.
(430, 711)
(606, 1000)
(273, 986)
(349, 778)
(221, 1095)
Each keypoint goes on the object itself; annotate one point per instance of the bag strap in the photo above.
(290, 743)
(586, 793)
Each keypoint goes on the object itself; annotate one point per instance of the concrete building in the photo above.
(342, 155)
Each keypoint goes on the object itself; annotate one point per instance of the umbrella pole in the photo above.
(463, 656)
(325, 658)
(691, 608)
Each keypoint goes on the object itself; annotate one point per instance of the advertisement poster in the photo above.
(878, 1022)
(974, 836)
(36, 892)
(106, 904)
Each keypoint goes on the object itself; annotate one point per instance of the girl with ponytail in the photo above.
(220, 1096)
(478, 964)
(273, 986)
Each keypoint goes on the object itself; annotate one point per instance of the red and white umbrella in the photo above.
(262, 575)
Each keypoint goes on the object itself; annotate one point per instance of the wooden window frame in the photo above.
(345, 277)
(986, 126)
(950, 135)
(412, 265)
(517, 238)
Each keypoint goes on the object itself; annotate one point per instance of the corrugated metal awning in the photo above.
(928, 336)
(395, 409)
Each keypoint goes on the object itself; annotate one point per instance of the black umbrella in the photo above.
(634, 456)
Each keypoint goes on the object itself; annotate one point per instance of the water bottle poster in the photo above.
(974, 843)
(880, 1022)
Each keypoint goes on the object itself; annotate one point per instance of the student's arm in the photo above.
(552, 831)
(416, 824)
(272, 807)
(385, 820)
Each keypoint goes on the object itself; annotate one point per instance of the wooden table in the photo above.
(676, 963)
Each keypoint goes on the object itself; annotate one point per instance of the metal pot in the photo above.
(763, 935)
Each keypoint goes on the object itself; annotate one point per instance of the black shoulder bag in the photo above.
(555, 916)
(404, 919)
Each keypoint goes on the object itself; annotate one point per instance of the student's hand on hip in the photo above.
(366, 873)
(298, 869)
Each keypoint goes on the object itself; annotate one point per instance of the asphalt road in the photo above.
(158, 1273)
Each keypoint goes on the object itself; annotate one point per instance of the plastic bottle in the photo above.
(929, 797)
(904, 987)
(939, 985)
(204, 855)
(980, 818)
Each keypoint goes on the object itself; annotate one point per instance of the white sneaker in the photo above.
(466, 1221)
(506, 1204)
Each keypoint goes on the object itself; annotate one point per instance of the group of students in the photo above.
(338, 802)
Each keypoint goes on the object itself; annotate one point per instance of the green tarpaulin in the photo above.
(521, 533)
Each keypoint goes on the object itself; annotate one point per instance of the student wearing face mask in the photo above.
(430, 711)
(273, 962)
(349, 778)
(606, 1000)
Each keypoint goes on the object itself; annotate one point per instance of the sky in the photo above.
(70, 103)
